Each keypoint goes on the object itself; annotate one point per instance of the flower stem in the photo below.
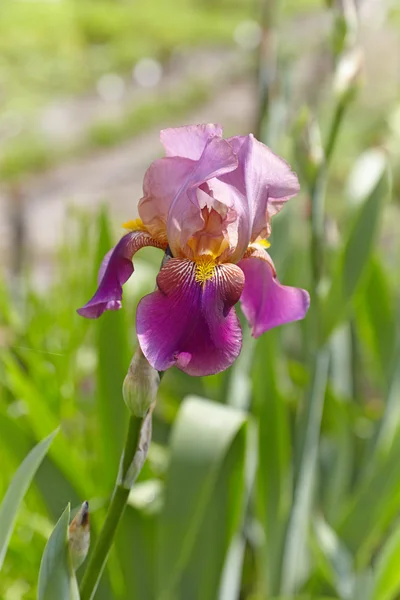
(98, 557)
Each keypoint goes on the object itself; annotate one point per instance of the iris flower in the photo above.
(208, 204)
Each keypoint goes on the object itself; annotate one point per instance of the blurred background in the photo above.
(304, 498)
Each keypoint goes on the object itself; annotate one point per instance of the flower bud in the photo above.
(140, 385)
(79, 536)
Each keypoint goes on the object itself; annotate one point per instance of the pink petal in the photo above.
(162, 182)
(265, 302)
(188, 324)
(239, 230)
(264, 179)
(184, 218)
(115, 270)
(188, 141)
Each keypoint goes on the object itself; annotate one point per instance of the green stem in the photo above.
(334, 128)
(317, 195)
(266, 67)
(98, 557)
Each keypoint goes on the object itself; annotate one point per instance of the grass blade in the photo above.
(56, 575)
(204, 499)
(17, 489)
(295, 552)
(355, 255)
(387, 573)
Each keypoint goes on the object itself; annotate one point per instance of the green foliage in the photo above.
(203, 499)
(56, 575)
(16, 492)
(284, 483)
(356, 254)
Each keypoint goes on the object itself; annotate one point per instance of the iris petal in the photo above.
(115, 270)
(188, 141)
(267, 303)
(184, 217)
(189, 324)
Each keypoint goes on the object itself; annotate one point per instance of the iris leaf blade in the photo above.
(204, 498)
(355, 256)
(112, 364)
(56, 576)
(17, 489)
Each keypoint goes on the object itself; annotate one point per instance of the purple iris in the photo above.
(210, 200)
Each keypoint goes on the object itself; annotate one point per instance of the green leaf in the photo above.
(49, 477)
(355, 255)
(294, 566)
(203, 499)
(42, 419)
(273, 490)
(113, 361)
(339, 559)
(387, 572)
(373, 506)
(17, 489)
(380, 313)
(136, 540)
(56, 575)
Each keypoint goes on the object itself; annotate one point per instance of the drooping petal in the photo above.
(189, 324)
(184, 217)
(188, 141)
(265, 302)
(115, 270)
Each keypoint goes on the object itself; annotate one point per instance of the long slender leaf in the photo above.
(17, 489)
(55, 488)
(113, 362)
(273, 490)
(387, 572)
(338, 557)
(295, 554)
(136, 540)
(380, 313)
(204, 499)
(56, 575)
(356, 253)
(373, 505)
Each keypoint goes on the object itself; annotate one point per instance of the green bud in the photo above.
(79, 536)
(140, 385)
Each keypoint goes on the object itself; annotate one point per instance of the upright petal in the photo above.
(189, 141)
(163, 180)
(184, 218)
(263, 178)
(265, 302)
(189, 324)
(115, 270)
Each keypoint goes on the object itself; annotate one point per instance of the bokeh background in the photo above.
(303, 500)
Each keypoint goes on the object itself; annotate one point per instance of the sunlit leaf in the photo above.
(340, 560)
(387, 572)
(17, 489)
(355, 255)
(294, 565)
(112, 366)
(373, 505)
(56, 575)
(273, 491)
(203, 499)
